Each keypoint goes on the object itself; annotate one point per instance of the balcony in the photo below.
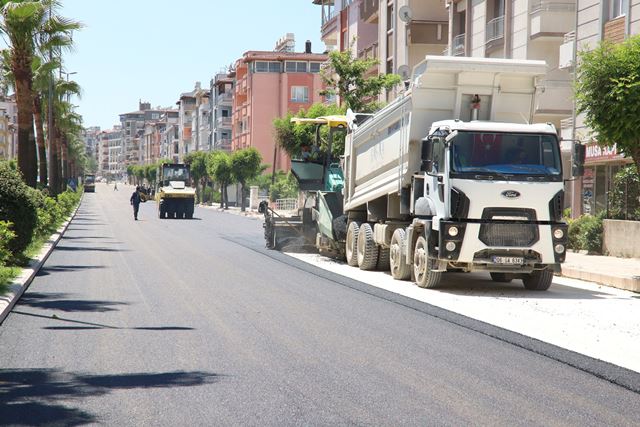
(369, 11)
(495, 31)
(223, 144)
(223, 122)
(554, 95)
(551, 19)
(567, 50)
(225, 97)
(428, 32)
(459, 45)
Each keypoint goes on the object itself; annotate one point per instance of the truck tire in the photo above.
(351, 246)
(383, 260)
(501, 277)
(539, 280)
(367, 248)
(400, 270)
(422, 265)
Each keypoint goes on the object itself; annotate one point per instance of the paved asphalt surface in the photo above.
(192, 322)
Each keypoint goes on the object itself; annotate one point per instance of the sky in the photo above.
(132, 50)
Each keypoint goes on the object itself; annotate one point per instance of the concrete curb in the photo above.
(628, 283)
(22, 282)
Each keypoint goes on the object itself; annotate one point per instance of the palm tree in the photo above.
(30, 27)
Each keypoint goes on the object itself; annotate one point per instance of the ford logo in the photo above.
(511, 194)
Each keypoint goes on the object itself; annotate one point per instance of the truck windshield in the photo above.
(517, 155)
(89, 179)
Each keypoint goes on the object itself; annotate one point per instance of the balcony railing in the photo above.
(223, 121)
(552, 6)
(458, 45)
(223, 97)
(495, 29)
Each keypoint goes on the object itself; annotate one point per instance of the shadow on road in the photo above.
(88, 248)
(57, 301)
(45, 271)
(30, 396)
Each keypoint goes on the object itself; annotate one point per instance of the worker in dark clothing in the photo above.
(135, 202)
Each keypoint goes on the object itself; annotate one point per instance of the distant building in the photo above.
(221, 102)
(111, 153)
(268, 85)
(186, 106)
(133, 127)
(8, 127)
(91, 138)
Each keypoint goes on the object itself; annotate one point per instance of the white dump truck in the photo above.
(451, 176)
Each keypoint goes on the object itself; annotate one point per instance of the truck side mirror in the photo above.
(426, 155)
(577, 159)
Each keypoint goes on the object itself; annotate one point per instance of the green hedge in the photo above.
(17, 206)
(585, 233)
(6, 235)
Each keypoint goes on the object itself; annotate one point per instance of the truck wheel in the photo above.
(367, 248)
(422, 265)
(351, 248)
(160, 213)
(383, 259)
(400, 270)
(501, 277)
(539, 280)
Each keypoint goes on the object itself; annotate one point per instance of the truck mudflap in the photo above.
(464, 241)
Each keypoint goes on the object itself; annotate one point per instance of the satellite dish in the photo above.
(403, 70)
(405, 14)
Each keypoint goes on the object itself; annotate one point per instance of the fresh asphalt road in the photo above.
(193, 322)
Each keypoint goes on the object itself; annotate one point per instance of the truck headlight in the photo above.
(559, 248)
(558, 233)
(453, 231)
(450, 246)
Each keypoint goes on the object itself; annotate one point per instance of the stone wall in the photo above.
(621, 238)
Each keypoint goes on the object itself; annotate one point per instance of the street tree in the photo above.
(219, 169)
(246, 164)
(608, 93)
(292, 137)
(347, 78)
(197, 161)
(27, 25)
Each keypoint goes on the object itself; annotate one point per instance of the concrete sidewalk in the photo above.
(622, 273)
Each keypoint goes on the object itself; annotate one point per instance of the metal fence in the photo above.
(286, 205)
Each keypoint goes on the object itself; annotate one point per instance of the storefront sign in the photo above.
(595, 153)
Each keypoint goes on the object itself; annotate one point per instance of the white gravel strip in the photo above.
(598, 321)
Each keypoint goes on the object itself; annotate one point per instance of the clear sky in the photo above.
(153, 50)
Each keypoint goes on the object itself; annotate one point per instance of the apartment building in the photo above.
(399, 33)
(269, 85)
(8, 133)
(111, 153)
(221, 102)
(133, 127)
(90, 137)
(595, 21)
(154, 145)
(186, 106)
(201, 122)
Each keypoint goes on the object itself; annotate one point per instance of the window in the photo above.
(267, 67)
(299, 94)
(314, 67)
(295, 67)
(616, 8)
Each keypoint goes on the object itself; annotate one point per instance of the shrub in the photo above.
(17, 206)
(6, 235)
(284, 187)
(68, 201)
(591, 234)
(624, 197)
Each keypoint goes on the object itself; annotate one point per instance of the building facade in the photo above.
(595, 21)
(268, 85)
(111, 153)
(8, 128)
(221, 101)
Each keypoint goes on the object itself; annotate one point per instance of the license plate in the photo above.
(508, 260)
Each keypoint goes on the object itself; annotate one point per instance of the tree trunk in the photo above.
(242, 207)
(54, 162)
(27, 156)
(42, 149)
